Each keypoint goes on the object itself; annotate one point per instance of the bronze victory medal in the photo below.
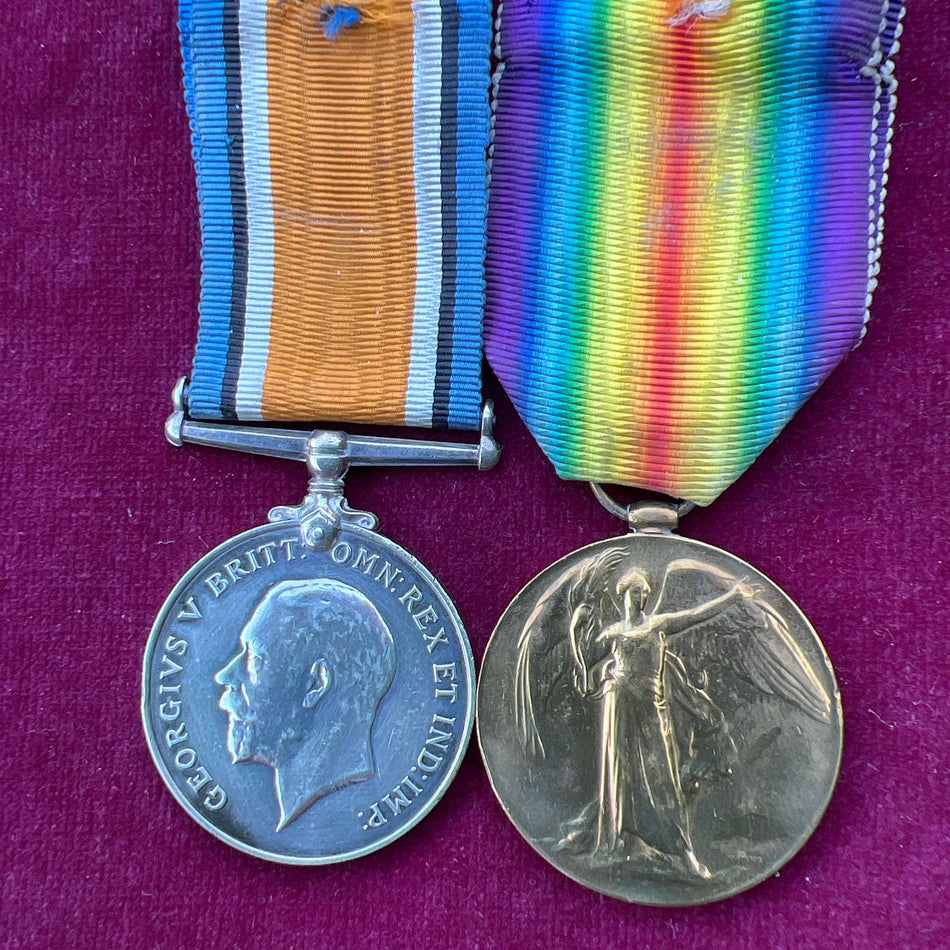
(308, 705)
(659, 720)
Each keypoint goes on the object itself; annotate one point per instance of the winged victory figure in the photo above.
(642, 651)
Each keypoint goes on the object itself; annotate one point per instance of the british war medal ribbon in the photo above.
(340, 158)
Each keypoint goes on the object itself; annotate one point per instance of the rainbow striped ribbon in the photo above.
(685, 223)
(340, 153)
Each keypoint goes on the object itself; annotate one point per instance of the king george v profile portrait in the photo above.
(314, 663)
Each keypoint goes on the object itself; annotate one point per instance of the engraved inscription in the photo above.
(250, 561)
(428, 761)
(656, 655)
(446, 677)
(313, 665)
(190, 611)
(390, 578)
(185, 759)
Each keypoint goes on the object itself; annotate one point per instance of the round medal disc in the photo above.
(304, 706)
(659, 720)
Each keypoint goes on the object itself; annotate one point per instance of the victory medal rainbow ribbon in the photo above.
(685, 223)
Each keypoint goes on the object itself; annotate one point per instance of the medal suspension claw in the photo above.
(645, 517)
(324, 509)
(328, 455)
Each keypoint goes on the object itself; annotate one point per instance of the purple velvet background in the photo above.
(98, 282)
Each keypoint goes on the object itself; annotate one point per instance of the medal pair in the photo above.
(683, 237)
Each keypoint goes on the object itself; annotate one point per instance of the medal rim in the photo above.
(451, 770)
(799, 842)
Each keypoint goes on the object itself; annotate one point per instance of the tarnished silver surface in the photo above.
(659, 720)
(307, 704)
(308, 690)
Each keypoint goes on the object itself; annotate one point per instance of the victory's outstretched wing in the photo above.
(558, 634)
(748, 638)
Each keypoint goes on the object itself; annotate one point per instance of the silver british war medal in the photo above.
(683, 240)
(308, 688)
